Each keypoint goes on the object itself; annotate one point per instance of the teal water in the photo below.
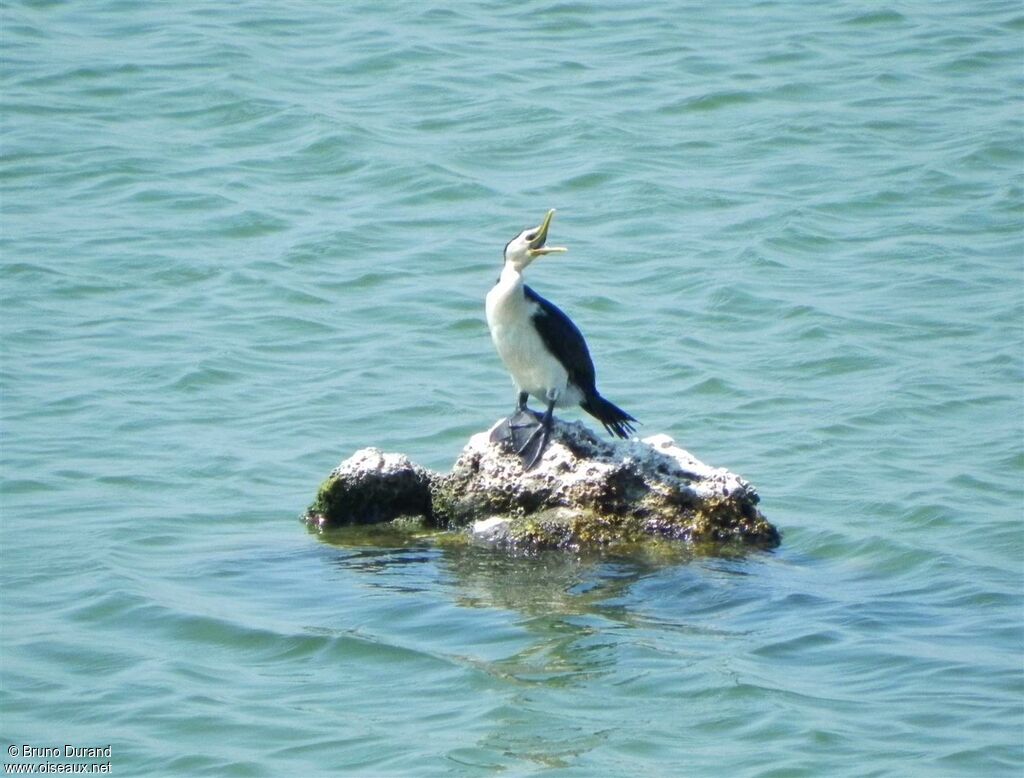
(241, 240)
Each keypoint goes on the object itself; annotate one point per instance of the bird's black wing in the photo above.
(564, 340)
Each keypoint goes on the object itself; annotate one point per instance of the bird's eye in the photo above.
(531, 235)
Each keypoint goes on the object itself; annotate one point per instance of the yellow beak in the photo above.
(537, 247)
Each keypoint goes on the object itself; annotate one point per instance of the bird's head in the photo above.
(529, 244)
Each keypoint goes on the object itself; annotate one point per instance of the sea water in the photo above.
(242, 240)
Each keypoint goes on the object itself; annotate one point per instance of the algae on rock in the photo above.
(585, 492)
(371, 487)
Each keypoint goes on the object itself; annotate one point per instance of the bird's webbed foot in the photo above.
(533, 447)
(526, 432)
(514, 432)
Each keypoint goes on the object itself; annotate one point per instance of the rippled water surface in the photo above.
(240, 241)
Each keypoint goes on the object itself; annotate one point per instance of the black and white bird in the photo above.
(544, 351)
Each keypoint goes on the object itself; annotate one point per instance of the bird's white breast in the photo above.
(509, 316)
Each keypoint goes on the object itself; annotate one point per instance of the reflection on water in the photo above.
(567, 604)
(563, 653)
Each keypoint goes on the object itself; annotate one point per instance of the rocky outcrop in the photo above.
(586, 491)
(372, 487)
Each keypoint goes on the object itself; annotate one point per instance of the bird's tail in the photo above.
(614, 419)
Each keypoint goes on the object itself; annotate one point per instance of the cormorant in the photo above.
(544, 351)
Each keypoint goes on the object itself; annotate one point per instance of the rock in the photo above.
(586, 491)
(372, 487)
(496, 529)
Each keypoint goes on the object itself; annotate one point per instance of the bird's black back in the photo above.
(565, 342)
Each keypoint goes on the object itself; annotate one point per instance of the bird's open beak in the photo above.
(537, 247)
